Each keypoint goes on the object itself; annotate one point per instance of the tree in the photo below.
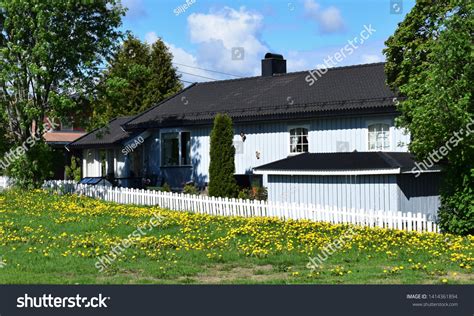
(138, 76)
(430, 63)
(73, 171)
(50, 51)
(222, 166)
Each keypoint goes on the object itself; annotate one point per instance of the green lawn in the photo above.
(46, 238)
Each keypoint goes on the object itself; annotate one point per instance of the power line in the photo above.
(217, 72)
(185, 81)
(187, 73)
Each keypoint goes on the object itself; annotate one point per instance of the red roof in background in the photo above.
(62, 137)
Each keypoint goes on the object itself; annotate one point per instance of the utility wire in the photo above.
(186, 81)
(217, 72)
(187, 73)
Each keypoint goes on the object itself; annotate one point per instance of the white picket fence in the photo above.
(248, 208)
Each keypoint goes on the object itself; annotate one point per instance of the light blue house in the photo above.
(330, 143)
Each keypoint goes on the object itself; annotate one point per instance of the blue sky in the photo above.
(205, 32)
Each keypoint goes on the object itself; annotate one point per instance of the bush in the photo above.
(260, 193)
(244, 194)
(31, 169)
(456, 214)
(73, 171)
(222, 167)
(254, 193)
(165, 188)
(190, 189)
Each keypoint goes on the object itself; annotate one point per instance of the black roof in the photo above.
(342, 90)
(106, 136)
(343, 161)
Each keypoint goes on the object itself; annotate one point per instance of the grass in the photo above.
(46, 238)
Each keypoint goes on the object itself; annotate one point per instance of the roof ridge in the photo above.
(287, 73)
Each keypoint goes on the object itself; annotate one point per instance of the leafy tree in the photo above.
(138, 76)
(430, 63)
(222, 166)
(50, 51)
(73, 171)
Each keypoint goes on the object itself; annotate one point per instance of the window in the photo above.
(176, 149)
(66, 124)
(89, 163)
(103, 163)
(136, 162)
(379, 136)
(299, 140)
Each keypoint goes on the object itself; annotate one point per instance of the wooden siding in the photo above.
(271, 141)
(377, 192)
(419, 194)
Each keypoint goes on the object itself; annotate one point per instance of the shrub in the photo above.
(190, 189)
(73, 171)
(456, 214)
(165, 187)
(244, 194)
(222, 167)
(254, 193)
(31, 169)
(260, 193)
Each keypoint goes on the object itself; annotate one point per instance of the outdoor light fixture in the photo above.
(257, 154)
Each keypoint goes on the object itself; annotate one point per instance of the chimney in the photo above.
(273, 64)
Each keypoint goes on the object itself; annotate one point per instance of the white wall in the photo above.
(272, 140)
(376, 192)
(91, 168)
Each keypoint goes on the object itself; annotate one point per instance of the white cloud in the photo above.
(180, 58)
(217, 33)
(151, 37)
(370, 52)
(214, 35)
(329, 19)
(369, 58)
(136, 9)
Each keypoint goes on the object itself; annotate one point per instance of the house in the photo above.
(332, 143)
(65, 132)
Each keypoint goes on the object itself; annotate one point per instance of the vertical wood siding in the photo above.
(271, 141)
(376, 192)
(419, 194)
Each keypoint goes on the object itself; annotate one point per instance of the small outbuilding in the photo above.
(387, 181)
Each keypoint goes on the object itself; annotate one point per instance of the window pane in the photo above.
(298, 140)
(170, 149)
(379, 137)
(185, 148)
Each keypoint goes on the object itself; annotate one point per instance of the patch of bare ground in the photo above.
(223, 274)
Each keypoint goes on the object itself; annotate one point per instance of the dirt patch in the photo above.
(460, 277)
(223, 274)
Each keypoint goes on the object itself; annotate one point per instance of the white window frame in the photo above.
(290, 127)
(179, 131)
(390, 133)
